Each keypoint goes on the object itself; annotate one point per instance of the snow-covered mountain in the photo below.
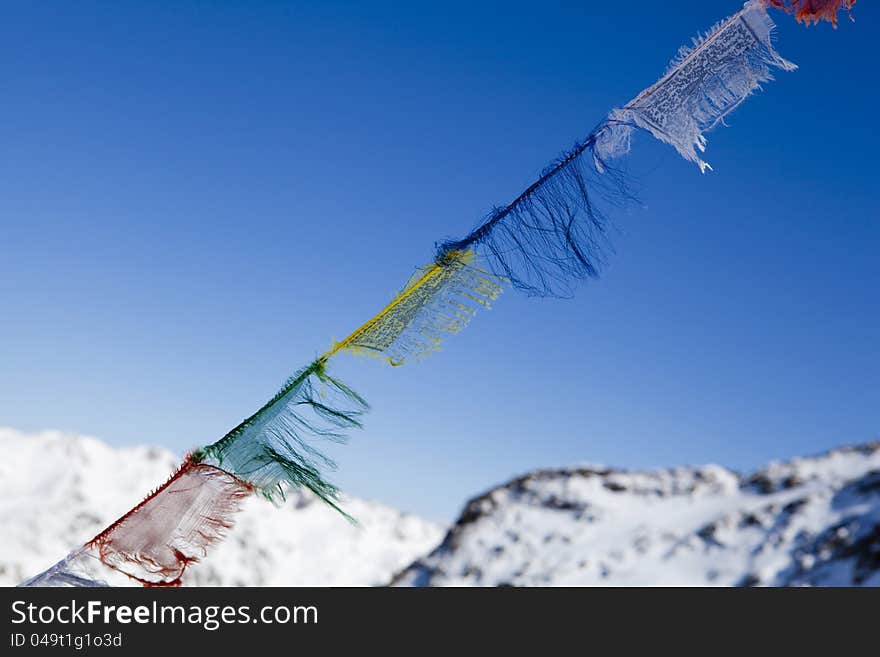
(810, 521)
(57, 491)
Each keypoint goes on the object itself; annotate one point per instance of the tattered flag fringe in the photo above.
(440, 298)
(701, 86)
(813, 11)
(554, 233)
(155, 542)
(274, 448)
(76, 569)
(550, 236)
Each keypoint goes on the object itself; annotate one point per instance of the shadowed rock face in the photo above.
(809, 521)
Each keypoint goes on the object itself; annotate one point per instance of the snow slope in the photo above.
(57, 491)
(810, 521)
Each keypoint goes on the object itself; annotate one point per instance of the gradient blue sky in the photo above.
(196, 197)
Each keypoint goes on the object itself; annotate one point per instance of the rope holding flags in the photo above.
(542, 243)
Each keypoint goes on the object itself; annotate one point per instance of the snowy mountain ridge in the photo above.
(58, 490)
(808, 521)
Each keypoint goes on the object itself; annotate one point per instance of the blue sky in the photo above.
(196, 197)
